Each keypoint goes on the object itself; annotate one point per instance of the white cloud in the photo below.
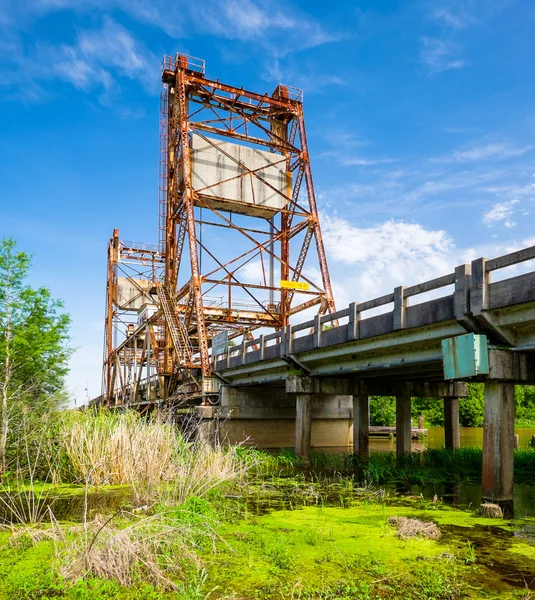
(292, 28)
(309, 77)
(493, 151)
(368, 262)
(461, 14)
(455, 15)
(501, 213)
(97, 60)
(382, 257)
(365, 162)
(440, 55)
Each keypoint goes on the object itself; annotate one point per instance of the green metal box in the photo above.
(465, 356)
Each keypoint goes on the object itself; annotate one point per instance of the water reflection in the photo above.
(17, 508)
(465, 495)
(470, 437)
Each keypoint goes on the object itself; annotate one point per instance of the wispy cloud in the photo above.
(359, 161)
(100, 57)
(456, 16)
(485, 151)
(501, 213)
(97, 60)
(418, 186)
(309, 77)
(440, 55)
(443, 51)
(265, 22)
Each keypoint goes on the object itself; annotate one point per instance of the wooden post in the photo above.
(303, 426)
(452, 435)
(420, 421)
(517, 441)
(498, 441)
(361, 432)
(403, 425)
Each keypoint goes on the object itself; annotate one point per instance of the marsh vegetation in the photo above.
(157, 515)
(115, 505)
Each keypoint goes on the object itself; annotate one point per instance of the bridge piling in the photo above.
(452, 436)
(361, 431)
(303, 388)
(303, 426)
(498, 441)
(403, 425)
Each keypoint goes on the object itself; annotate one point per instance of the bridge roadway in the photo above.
(362, 351)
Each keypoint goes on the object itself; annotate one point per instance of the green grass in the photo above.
(434, 465)
(338, 548)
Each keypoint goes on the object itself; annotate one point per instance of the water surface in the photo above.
(470, 437)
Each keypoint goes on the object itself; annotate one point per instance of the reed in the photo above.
(102, 447)
(159, 549)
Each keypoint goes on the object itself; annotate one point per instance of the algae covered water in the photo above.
(297, 534)
(332, 541)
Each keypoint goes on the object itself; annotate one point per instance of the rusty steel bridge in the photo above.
(237, 197)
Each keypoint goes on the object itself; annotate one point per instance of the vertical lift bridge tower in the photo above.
(238, 217)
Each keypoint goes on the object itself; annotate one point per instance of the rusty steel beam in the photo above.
(191, 103)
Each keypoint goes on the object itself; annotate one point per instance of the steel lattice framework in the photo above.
(225, 262)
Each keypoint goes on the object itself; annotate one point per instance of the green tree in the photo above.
(431, 408)
(33, 342)
(383, 411)
(471, 408)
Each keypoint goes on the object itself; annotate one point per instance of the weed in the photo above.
(280, 558)
(470, 557)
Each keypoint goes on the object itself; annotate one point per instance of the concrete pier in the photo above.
(403, 425)
(303, 426)
(452, 435)
(498, 441)
(361, 430)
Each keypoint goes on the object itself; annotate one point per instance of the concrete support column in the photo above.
(303, 425)
(361, 432)
(498, 441)
(452, 435)
(403, 425)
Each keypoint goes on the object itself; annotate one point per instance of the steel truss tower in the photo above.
(238, 217)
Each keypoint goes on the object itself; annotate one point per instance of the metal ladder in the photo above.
(177, 329)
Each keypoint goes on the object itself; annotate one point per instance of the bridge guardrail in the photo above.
(473, 298)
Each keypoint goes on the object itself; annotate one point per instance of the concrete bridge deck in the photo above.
(405, 341)
(355, 353)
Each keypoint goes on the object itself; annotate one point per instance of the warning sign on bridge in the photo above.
(295, 285)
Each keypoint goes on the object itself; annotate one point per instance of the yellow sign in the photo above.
(294, 285)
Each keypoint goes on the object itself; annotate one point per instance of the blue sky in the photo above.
(420, 116)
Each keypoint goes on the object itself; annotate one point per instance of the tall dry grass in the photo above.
(155, 549)
(113, 448)
(151, 455)
(161, 541)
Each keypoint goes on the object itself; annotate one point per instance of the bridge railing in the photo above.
(469, 303)
(514, 258)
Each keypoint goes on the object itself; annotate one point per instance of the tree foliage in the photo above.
(33, 342)
(471, 408)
